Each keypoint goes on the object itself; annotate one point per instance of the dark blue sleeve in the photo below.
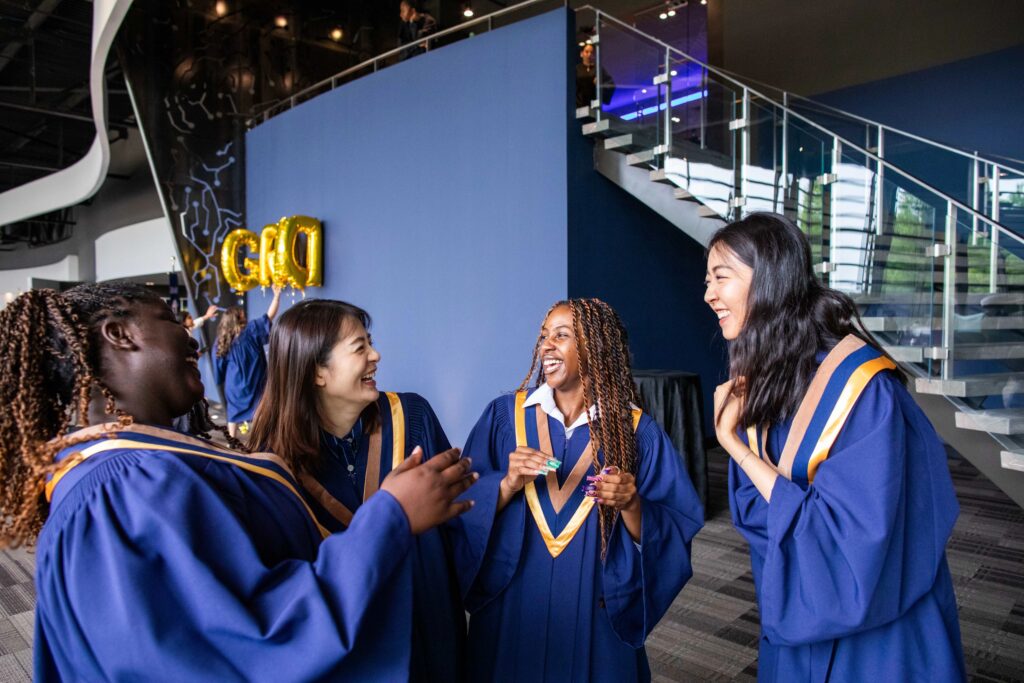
(487, 543)
(153, 575)
(425, 429)
(640, 584)
(865, 542)
(259, 329)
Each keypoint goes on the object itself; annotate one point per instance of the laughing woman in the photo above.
(162, 555)
(837, 479)
(323, 414)
(565, 574)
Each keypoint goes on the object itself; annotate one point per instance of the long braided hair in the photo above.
(604, 360)
(49, 373)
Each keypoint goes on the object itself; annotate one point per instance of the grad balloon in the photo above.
(238, 280)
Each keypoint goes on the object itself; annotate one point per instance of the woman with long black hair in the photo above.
(837, 480)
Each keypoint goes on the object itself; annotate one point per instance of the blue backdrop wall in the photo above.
(974, 103)
(441, 185)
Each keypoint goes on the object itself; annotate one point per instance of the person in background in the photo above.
(414, 27)
(192, 324)
(580, 538)
(161, 555)
(586, 79)
(837, 479)
(240, 363)
(321, 411)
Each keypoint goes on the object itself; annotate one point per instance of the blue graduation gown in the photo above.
(439, 620)
(850, 571)
(202, 565)
(243, 370)
(535, 617)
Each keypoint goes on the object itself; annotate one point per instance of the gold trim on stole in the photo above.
(556, 545)
(371, 481)
(113, 444)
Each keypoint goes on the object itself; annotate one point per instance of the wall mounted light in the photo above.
(281, 21)
(220, 8)
(336, 34)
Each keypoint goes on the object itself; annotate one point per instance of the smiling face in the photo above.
(559, 354)
(727, 291)
(167, 361)
(348, 375)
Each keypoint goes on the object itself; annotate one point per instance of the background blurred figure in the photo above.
(240, 363)
(586, 79)
(415, 26)
(191, 324)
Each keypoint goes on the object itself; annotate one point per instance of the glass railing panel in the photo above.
(900, 292)
(1011, 201)
(762, 182)
(631, 100)
(803, 185)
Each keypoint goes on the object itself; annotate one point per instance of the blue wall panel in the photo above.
(973, 103)
(441, 185)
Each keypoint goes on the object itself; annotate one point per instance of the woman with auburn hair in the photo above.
(580, 538)
(239, 361)
(837, 480)
(322, 413)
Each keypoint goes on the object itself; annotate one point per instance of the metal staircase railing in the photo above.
(938, 281)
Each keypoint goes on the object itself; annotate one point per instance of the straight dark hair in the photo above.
(791, 316)
(287, 420)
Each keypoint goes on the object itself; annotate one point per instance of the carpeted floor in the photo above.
(710, 633)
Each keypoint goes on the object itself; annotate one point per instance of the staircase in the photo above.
(936, 265)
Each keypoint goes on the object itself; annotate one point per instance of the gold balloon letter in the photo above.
(268, 238)
(238, 280)
(285, 261)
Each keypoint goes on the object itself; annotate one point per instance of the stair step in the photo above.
(584, 113)
(683, 193)
(660, 175)
(1012, 460)
(599, 129)
(1005, 421)
(641, 158)
(920, 298)
(905, 354)
(966, 387)
(705, 211)
(621, 143)
(963, 323)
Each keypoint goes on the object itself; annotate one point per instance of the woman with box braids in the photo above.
(580, 588)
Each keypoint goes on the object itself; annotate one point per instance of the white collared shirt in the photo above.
(544, 397)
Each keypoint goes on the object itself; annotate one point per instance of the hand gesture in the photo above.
(427, 491)
(614, 488)
(526, 464)
(727, 411)
(211, 312)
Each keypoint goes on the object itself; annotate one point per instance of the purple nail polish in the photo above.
(606, 470)
(594, 478)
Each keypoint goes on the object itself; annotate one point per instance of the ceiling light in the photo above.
(671, 13)
(675, 119)
(337, 34)
(467, 10)
(663, 16)
(703, 2)
(582, 44)
(220, 7)
(281, 21)
(673, 73)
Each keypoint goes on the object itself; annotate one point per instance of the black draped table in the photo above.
(673, 398)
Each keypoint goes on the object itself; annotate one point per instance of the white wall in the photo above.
(15, 281)
(138, 249)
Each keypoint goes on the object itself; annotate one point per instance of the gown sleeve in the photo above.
(861, 545)
(487, 543)
(154, 575)
(640, 583)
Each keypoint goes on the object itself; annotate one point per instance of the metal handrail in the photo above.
(291, 100)
(877, 124)
(846, 143)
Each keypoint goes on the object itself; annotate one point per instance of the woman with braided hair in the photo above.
(163, 556)
(580, 538)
